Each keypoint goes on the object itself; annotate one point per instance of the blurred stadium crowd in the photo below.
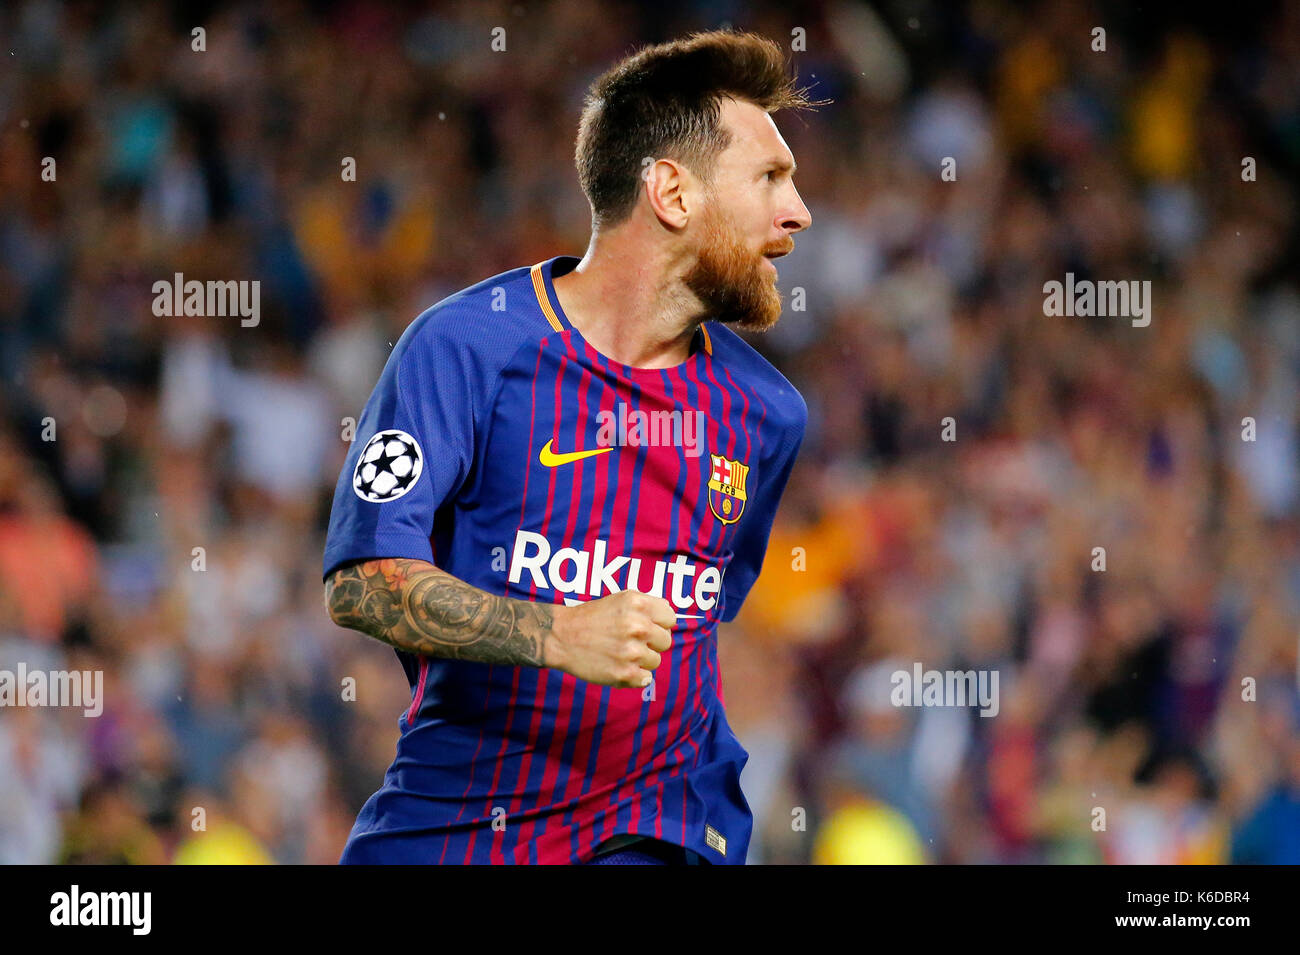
(1121, 690)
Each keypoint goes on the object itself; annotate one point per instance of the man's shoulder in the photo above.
(489, 320)
(784, 406)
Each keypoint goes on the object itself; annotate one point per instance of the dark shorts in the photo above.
(643, 851)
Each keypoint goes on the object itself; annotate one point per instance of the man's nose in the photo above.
(799, 219)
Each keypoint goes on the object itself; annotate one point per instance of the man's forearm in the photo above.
(417, 607)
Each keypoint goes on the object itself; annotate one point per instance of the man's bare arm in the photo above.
(413, 605)
(418, 607)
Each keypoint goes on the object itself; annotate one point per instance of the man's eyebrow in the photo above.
(782, 165)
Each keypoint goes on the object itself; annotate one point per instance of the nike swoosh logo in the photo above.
(553, 460)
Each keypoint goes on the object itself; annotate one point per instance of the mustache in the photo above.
(781, 248)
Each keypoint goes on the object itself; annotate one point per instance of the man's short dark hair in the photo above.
(665, 101)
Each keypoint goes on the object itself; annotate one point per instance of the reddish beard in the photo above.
(731, 281)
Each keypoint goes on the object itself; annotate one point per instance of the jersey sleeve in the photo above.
(751, 540)
(414, 445)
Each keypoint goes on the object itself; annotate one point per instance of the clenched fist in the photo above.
(614, 641)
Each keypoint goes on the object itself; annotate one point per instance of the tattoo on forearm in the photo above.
(415, 606)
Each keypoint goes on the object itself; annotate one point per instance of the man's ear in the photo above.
(669, 187)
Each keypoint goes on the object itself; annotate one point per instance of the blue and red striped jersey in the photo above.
(500, 446)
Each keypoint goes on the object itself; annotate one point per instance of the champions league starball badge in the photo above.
(388, 467)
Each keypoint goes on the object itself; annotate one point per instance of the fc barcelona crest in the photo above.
(727, 488)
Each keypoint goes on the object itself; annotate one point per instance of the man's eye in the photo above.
(771, 175)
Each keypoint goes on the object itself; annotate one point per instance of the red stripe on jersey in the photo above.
(464, 799)
(676, 688)
(591, 694)
(731, 454)
(496, 776)
(687, 508)
(654, 500)
(761, 418)
(611, 758)
(658, 707)
(559, 726)
(419, 691)
(539, 695)
(487, 696)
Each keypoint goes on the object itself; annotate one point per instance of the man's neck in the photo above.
(631, 309)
